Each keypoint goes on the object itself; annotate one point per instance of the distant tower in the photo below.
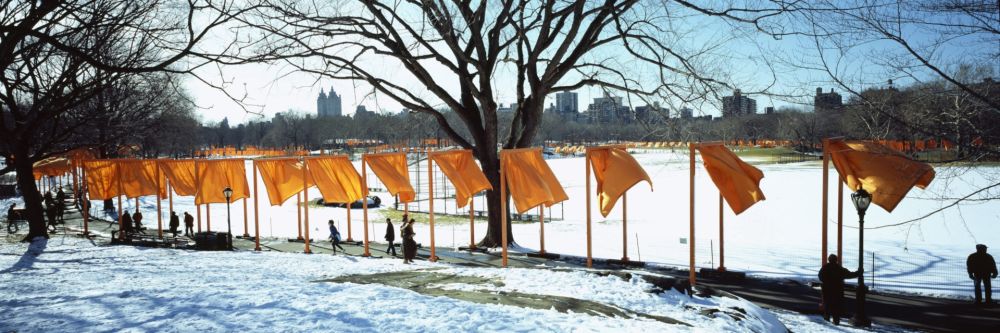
(738, 105)
(328, 104)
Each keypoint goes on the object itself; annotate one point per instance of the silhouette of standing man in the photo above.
(981, 269)
(832, 275)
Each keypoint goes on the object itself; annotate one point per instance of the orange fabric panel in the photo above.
(887, 174)
(738, 182)
(463, 172)
(336, 178)
(391, 169)
(282, 178)
(102, 179)
(52, 166)
(139, 178)
(529, 179)
(616, 171)
(181, 176)
(216, 175)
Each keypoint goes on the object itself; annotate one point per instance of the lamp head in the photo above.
(861, 199)
(228, 192)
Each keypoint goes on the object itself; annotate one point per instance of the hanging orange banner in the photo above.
(139, 178)
(616, 171)
(738, 182)
(885, 173)
(102, 179)
(529, 179)
(391, 169)
(463, 172)
(181, 176)
(52, 166)
(336, 178)
(282, 178)
(216, 175)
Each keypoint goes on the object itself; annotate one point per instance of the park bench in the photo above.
(148, 240)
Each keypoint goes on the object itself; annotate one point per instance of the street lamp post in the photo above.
(861, 200)
(228, 192)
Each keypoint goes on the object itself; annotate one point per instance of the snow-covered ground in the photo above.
(68, 284)
(778, 238)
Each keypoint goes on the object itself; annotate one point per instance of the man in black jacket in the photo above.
(832, 275)
(981, 269)
(390, 236)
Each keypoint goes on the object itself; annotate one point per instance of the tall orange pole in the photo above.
(503, 214)
(430, 196)
(159, 202)
(625, 226)
(76, 186)
(121, 228)
(298, 210)
(364, 200)
(197, 192)
(826, 165)
(722, 239)
(586, 162)
(541, 229)
(691, 272)
(246, 226)
(305, 198)
(348, 206)
(256, 211)
(208, 217)
(472, 223)
(85, 204)
(840, 217)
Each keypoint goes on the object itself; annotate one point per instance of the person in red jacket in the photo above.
(981, 268)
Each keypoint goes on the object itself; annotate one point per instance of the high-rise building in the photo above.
(609, 109)
(328, 104)
(687, 113)
(738, 105)
(566, 104)
(826, 102)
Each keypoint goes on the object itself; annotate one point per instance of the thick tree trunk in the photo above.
(491, 167)
(32, 199)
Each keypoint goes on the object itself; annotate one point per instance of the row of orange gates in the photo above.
(525, 176)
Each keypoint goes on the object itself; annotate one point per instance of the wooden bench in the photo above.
(150, 240)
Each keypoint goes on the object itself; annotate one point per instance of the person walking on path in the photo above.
(335, 238)
(409, 245)
(61, 206)
(175, 223)
(137, 219)
(188, 224)
(390, 236)
(832, 275)
(982, 268)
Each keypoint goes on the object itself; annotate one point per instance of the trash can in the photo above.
(213, 241)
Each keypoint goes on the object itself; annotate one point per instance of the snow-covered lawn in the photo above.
(72, 285)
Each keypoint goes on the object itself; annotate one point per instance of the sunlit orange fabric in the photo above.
(463, 172)
(216, 175)
(336, 178)
(181, 176)
(887, 174)
(139, 178)
(391, 169)
(102, 179)
(282, 178)
(52, 166)
(529, 179)
(616, 171)
(738, 182)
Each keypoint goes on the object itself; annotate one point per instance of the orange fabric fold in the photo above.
(885, 173)
(391, 169)
(282, 178)
(463, 172)
(738, 182)
(216, 175)
(102, 179)
(139, 178)
(616, 171)
(181, 176)
(336, 178)
(52, 166)
(529, 179)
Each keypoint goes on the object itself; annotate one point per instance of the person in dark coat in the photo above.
(61, 205)
(137, 219)
(335, 238)
(126, 223)
(188, 224)
(982, 268)
(832, 275)
(175, 222)
(390, 236)
(50, 208)
(409, 245)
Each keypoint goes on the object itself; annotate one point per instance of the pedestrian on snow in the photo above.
(61, 205)
(335, 238)
(175, 222)
(188, 224)
(51, 211)
(126, 223)
(981, 268)
(137, 219)
(390, 236)
(832, 275)
(409, 245)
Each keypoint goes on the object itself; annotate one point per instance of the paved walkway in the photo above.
(915, 312)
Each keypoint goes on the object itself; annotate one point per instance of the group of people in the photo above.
(55, 207)
(176, 223)
(405, 230)
(980, 266)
